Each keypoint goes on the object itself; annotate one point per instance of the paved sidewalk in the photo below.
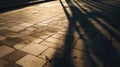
(30, 34)
(48, 35)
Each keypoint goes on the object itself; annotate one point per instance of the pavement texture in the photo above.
(62, 33)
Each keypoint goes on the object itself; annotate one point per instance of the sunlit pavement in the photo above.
(57, 34)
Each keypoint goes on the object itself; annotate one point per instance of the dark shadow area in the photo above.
(109, 14)
(9, 5)
(99, 48)
(114, 4)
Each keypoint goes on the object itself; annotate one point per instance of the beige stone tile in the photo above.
(61, 32)
(57, 35)
(42, 35)
(11, 64)
(31, 61)
(8, 33)
(3, 27)
(10, 41)
(49, 53)
(34, 49)
(37, 40)
(49, 44)
(19, 45)
(4, 50)
(47, 21)
(26, 24)
(62, 37)
(26, 41)
(31, 29)
(42, 24)
(16, 28)
(5, 63)
(2, 37)
(15, 55)
(56, 41)
(25, 32)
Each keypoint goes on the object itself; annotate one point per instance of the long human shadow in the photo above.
(99, 45)
(9, 5)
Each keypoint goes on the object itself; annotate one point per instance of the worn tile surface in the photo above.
(31, 61)
(4, 50)
(62, 33)
(34, 49)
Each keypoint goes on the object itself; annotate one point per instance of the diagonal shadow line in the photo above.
(93, 16)
(15, 7)
(113, 21)
(83, 24)
(78, 16)
(112, 5)
(103, 9)
(112, 51)
(66, 60)
(99, 42)
(105, 6)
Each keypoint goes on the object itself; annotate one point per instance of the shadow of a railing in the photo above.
(111, 18)
(99, 49)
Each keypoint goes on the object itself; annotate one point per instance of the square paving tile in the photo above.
(31, 61)
(2, 37)
(57, 35)
(31, 29)
(43, 24)
(5, 63)
(8, 33)
(16, 28)
(19, 45)
(26, 24)
(15, 55)
(42, 35)
(49, 53)
(10, 41)
(27, 41)
(34, 49)
(56, 41)
(10, 64)
(49, 44)
(4, 50)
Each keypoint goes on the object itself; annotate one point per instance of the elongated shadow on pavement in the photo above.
(108, 13)
(6, 5)
(114, 55)
(110, 17)
(98, 47)
(115, 4)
